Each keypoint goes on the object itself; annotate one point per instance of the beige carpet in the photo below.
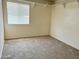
(38, 48)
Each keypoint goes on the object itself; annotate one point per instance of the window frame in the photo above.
(20, 3)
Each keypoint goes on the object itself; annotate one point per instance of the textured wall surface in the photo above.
(65, 23)
(39, 23)
(1, 29)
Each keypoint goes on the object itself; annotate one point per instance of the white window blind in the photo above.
(18, 13)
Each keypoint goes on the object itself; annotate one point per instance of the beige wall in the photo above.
(1, 29)
(39, 23)
(65, 23)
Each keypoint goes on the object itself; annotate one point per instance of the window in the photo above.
(18, 13)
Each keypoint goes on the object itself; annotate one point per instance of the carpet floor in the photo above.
(38, 48)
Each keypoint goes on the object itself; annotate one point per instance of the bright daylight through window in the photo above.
(18, 13)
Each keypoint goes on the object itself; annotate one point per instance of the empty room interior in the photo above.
(39, 29)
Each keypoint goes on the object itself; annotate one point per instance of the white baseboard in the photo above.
(60, 39)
